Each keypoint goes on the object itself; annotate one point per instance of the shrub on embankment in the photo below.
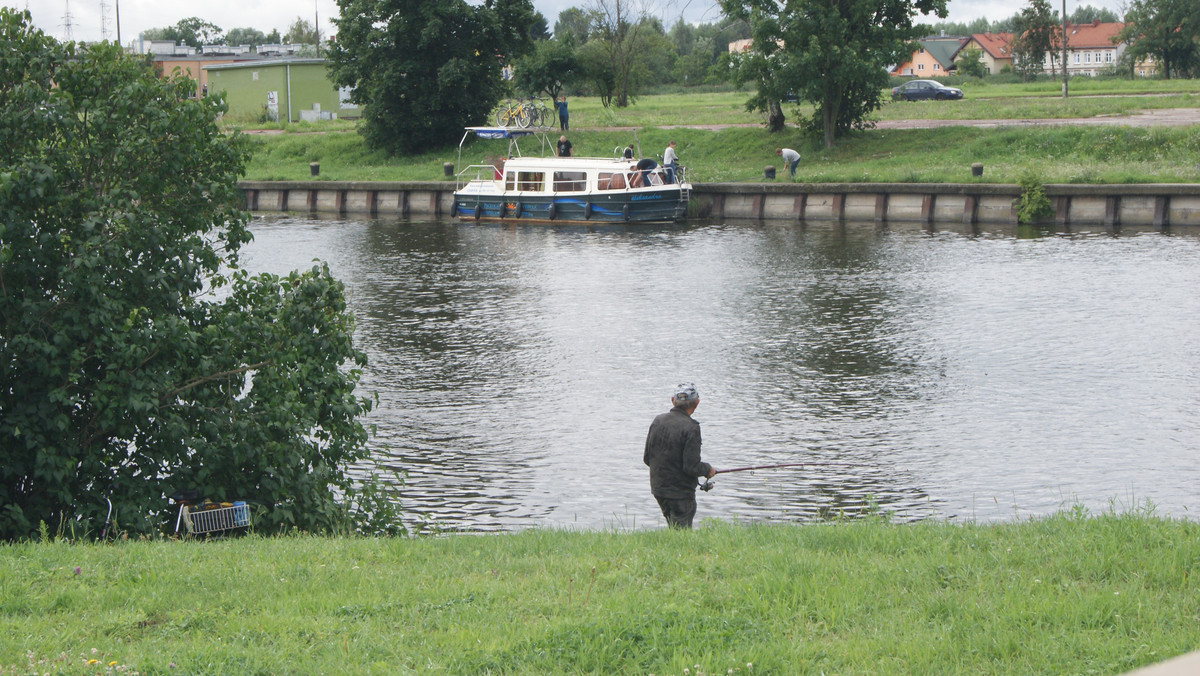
(1067, 594)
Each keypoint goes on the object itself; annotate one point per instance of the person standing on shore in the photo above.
(791, 158)
(673, 455)
(563, 148)
(563, 116)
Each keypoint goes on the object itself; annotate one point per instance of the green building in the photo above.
(290, 90)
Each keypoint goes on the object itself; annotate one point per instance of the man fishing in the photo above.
(673, 455)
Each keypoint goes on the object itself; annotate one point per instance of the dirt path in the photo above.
(1167, 117)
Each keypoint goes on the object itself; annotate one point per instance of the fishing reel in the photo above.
(707, 485)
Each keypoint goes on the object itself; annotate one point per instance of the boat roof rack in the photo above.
(510, 133)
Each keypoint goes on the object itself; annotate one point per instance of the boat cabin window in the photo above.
(570, 181)
(611, 181)
(530, 181)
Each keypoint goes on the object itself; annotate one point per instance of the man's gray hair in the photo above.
(685, 393)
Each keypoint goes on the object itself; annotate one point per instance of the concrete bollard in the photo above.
(448, 169)
(977, 169)
(314, 168)
(769, 172)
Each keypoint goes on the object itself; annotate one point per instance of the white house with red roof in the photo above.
(1090, 48)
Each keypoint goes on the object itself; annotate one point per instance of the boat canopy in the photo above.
(510, 133)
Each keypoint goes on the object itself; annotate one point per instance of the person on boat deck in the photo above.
(563, 116)
(791, 158)
(564, 147)
(645, 166)
(673, 456)
(628, 154)
(669, 162)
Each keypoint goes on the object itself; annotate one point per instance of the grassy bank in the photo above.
(1053, 154)
(728, 152)
(1067, 594)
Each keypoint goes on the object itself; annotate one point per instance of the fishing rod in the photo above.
(707, 484)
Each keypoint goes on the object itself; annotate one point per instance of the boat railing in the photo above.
(476, 172)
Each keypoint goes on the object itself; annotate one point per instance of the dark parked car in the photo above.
(917, 90)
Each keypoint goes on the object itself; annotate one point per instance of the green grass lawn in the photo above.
(740, 148)
(1068, 154)
(1064, 595)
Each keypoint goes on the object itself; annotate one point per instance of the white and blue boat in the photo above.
(567, 189)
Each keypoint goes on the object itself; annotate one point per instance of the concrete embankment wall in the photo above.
(1148, 205)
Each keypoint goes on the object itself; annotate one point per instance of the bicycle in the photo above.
(540, 114)
(512, 114)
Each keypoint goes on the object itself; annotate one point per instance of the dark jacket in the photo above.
(673, 455)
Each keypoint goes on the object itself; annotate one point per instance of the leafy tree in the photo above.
(970, 63)
(549, 68)
(1168, 30)
(424, 69)
(574, 26)
(136, 358)
(771, 82)
(539, 29)
(980, 25)
(273, 38)
(1088, 14)
(245, 36)
(1037, 33)
(833, 53)
(301, 32)
(621, 46)
(598, 71)
(191, 31)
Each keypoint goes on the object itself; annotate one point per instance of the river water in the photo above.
(960, 376)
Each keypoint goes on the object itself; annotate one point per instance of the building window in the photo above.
(1076, 57)
(1107, 57)
(920, 66)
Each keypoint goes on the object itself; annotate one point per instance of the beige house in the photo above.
(934, 58)
(995, 50)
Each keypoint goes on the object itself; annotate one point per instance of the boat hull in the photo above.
(640, 206)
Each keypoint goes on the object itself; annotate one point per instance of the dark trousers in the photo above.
(562, 123)
(679, 513)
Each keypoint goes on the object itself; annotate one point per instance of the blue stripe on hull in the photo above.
(643, 207)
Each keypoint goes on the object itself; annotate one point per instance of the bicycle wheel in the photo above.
(523, 117)
(502, 117)
(535, 117)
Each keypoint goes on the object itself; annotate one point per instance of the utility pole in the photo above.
(119, 24)
(1064, 19)
(317, 24)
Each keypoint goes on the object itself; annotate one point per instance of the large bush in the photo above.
(136, 359)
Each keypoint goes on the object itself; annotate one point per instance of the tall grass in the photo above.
(1067, 594)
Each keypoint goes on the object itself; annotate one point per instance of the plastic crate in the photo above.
(199, 521)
